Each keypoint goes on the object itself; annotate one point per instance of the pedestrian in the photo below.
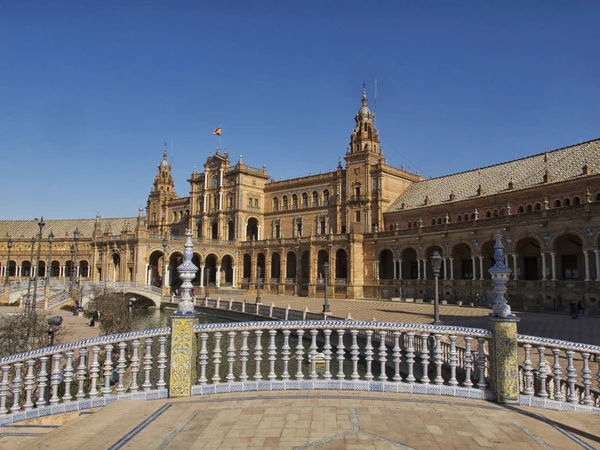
(580, 309)
(477, 300)
(573, 307)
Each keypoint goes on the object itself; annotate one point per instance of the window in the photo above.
(488, 214)
(459, 218)
(322, 229)
(576, 201)
(357, 191)
(570, 271)
(357, 216)
(538, 206)
(567, 202)
(305, 200)
(299, 227)
(285, 202)
(250, 202)
(230, 201)
(315, 198)
(275, 204)
(256, 203)
(432, 221)
(277, 231)
(521, 209)
(326, 197)
(295, 201)
(557, 204)
(529, 208)
(409, 224)
(214, 182)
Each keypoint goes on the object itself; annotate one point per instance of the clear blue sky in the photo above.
(90, 91)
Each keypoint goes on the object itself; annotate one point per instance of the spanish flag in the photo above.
(217, 131)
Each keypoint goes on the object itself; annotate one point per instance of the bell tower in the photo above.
(163, 190)
(362, 158)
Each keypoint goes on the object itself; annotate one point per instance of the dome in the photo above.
(364, 112)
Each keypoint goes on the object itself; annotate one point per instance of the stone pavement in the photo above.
(551, 325)
(306, 420)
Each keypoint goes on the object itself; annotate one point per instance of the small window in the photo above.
(275, 204)
(495, 213)
(459, 218)
(439, 221)
(357, 216)
(576, 201)
(357, 191)
(305, 200)
(567, 202)
(315, 198)
(295, 201)
(488, 214)
(432, 221)
(285, 202)
(529, 208)
(256, 203)
(557, 204)
(214, 182)
(466, 217)
(538, 206)
(409, 224)
(521, 209)
(597, 197)
(250, 202)
(326, 197)
(503, 212)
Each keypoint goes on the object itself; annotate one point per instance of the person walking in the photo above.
(580, 309)
(573, 307)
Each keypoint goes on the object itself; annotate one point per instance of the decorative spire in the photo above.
(499, 273)
(187, 272)
(364, 97)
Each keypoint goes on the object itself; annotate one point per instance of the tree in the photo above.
(115, 314)
(23, 332)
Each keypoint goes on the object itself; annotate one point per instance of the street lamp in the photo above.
(206, 291)
(53, 322)
(27, 304)
(165, 244)
(258, 274)
(9, 245)
(436, 262)
(41, 224)
(326, 304)
(49, 265)
(74, 267)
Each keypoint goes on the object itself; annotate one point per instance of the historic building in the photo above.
(376, 227)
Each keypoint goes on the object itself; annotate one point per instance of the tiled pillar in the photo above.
(183, 355)
(504, 363)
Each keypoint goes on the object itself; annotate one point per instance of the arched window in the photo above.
(275, 204)
(294, 201)
(315, 198)
(439, 221)
(488, 214)
(409, 224)
(557, 204)
(503, 212)
(326, 197)
(576, 201)
(472, 216)
(529, 208)
(459, 218)
(538, 206)
(466, 217)
(285, 202)
(496, 213)
(567, 202)
(432, 221)
(415, 224)
(214, 182)
(174, 216)
(304, 200)
(521, 209)
(597, 197)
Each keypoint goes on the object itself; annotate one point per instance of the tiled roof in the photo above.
(562, 165)
(63, 228)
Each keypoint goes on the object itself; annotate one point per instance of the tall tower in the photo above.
(163, 190)
(362, 158)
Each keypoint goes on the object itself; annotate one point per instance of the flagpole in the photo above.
(221, 127)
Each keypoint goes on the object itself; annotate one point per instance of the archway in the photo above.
(463, 264)
(275, 267)
(230, 230)
(569, 257)
(211, 267)
(252, 230)
(68, 268)
(260, 266)
(214, 231)
(410, 267)
(290, 270)
(155, 268)
(305, 267)
(55, 269)
(116, 269)
(41, 269)
(26, 269)
(386, 265)
(322, 258)
(487, 251)
(247, 266)
(227, 270)
(12, 268)
(196, 258)
(172, 276)
(84, 269)
(429, 270)
(528, 259)
(341, 264)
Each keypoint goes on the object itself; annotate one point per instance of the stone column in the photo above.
(543, 266)
(597, 253)
(233, 276)
(377, 270)
(553, 257)
(395, 268)
(201, 276)
(474, 267)
(451, 268)
(399, 269)
(418, 269)
(515, 268)
(445, 268)
(424, 268)
(481, 268)
(218, 276)
(586, 259)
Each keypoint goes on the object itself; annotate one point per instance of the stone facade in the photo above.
(376, 225)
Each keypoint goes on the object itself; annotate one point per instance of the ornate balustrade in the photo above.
(565, 376)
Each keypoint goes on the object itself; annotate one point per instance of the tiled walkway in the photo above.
(319, 420)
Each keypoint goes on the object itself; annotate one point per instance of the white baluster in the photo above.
(354, 353)
(327, 354)
(313, 354)
(203, 359)
(121, 365)
(4, 389)
(468, 362)
(410, 356)
(55, 377)
(481, 362)
(542, 367)
(557, 372)
(369, 355)
(272, 355)
(68, 377)
(43, 381)
(216, 378)
(231, 357)
(258, 354)
(425, 357)
(161, 362)
(147, 385)
(586, 375)
(81, 373)
(285, 354)
(527, 371)
(397, 356)
(17, 384)
(453, 361)
(299, 354)
(340, 354)
(94, 372)
(29, 382)
(437, 360)
(571, 378)
(244, 355)
(382, 355)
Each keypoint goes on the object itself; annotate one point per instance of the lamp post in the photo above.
(436, 262)
(41, 224)
(74, 267)
(27, 304)
(49, 265)
(326, 304)
(258, 274)
(53, 323)
(9, 246)
(206, 291)
(165, 244)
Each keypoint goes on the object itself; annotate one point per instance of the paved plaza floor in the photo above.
(307, 420)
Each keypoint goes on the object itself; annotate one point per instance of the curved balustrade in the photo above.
(559, 371)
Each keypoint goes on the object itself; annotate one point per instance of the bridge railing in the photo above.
(554, 371)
